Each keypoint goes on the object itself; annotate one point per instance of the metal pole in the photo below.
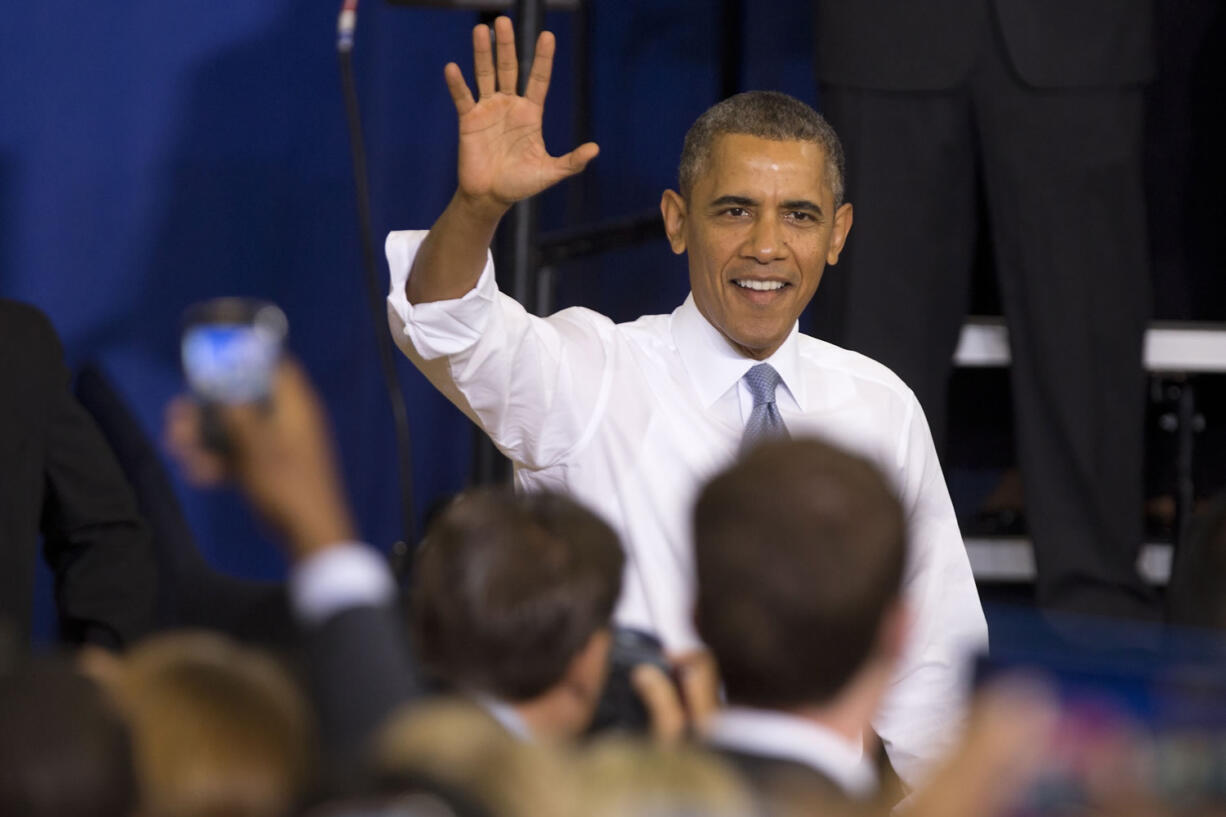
(516, 244)
(1185, 488)
(731, 26)
(521, 221)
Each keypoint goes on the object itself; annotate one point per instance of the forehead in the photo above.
(740, 163)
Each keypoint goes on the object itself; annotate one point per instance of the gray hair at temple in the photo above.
(767, 115)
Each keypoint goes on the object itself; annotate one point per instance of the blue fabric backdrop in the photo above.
(153, 154)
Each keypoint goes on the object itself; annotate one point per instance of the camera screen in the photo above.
(230, 363)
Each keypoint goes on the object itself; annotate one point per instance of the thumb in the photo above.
(575, 161)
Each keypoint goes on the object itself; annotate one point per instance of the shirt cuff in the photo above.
(345, 575)
(437, 328)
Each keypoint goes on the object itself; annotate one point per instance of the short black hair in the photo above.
(799, 551)
(508, 588)
(767, 115)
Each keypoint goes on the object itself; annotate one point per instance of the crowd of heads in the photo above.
(511, 598)
(799, 554)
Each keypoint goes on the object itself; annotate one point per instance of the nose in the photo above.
(765, 240)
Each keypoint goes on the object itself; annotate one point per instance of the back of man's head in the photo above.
(799, 551)
(508, 589)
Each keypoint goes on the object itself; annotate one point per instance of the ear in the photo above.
(838, 234)
(672, 207)
(586, 673)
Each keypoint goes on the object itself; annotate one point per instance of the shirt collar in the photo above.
(506, 715)
(790, 737)
(715, 366)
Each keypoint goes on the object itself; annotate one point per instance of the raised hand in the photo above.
(282, 460)
(502, 156)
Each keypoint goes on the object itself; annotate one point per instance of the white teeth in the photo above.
(760, 286)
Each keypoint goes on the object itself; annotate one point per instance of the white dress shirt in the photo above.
(788, 737)
(337, 578)
(632, 419)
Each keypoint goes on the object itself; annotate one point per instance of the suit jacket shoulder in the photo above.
(59, 478)
(917, 45)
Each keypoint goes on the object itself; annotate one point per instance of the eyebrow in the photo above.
(734, 201)
(803, 204)
(745, 201)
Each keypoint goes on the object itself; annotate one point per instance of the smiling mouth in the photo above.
(759, 286)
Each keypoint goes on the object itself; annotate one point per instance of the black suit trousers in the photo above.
(1060, 171)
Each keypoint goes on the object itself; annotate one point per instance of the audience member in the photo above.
(61, 482)
(1007, 741)
(456, 744)
(620, 777)
(342, 592)
(64, 749)
(511, 602)
(218, 729)
(799, 551)
(630, 419)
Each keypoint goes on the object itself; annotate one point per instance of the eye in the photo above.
(801, 215)
(735, 212)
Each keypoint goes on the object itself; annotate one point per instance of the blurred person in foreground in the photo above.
(624, 778)
(799, 550)
(512, 598)
(459, 746)
(217, 728)
(631, 419)
(59, 481)
(341, 590)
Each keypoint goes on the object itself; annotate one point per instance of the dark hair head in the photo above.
(507, 589)
(64, 752)
(767, 115)
(799, 551)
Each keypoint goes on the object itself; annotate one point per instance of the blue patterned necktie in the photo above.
(764, 421)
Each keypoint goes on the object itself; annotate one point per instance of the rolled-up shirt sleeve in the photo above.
(535, 385)
(437, 328)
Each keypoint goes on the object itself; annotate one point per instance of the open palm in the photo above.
(502, 154)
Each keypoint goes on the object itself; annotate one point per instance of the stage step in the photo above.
(1011, 559)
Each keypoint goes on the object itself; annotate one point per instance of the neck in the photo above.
(851, 711)
(550, 716)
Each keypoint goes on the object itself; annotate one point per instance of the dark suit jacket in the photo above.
(916, 45)
(59, 478)
(360, 669)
